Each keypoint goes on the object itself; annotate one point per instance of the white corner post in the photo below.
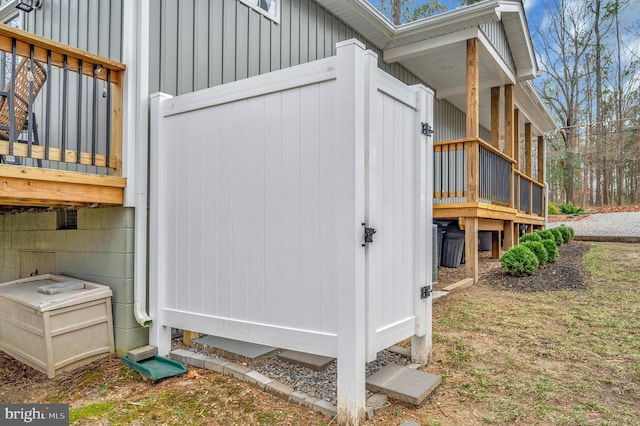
(349, 160)
(159, 335)
(421, 342)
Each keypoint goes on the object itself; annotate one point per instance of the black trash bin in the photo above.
(484, 240)
(452, 247)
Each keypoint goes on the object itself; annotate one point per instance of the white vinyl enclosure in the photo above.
(261, 191)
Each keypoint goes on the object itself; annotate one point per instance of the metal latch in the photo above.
(368, 234)
(425, 291)
(426, 129)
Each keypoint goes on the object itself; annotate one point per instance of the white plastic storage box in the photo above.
(55, 323)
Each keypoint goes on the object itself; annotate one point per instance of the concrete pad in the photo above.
(215, 364)
(235, 349)
(438, 295)
(256, 379)
(235, 370)
(279, 389)
(325, 408)
(403, 384)
(302, 398)
(314, 362)
(467, 282)
(142, 353)
(377, 401)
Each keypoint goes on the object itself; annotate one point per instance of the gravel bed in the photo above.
(320, 384)
(623, 224)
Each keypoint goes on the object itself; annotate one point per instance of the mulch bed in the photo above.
(567, 273)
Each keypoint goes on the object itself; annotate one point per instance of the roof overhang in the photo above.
(434, 49)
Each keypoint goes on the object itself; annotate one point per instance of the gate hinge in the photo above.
(425, 291)
(368, 234)
(426, 129)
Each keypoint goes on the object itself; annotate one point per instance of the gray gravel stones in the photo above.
(320, 384)
(622, 224)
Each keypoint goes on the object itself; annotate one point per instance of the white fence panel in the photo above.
(259, 192)
(394, 144)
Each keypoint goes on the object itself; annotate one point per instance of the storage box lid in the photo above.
(26, 292)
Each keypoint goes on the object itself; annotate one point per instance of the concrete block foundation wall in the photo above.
(100, 250)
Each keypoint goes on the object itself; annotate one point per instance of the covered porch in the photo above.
(60, 125)
(489, 126)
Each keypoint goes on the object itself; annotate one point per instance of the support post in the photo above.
(495, 244)
(349, 214)
(495, 117)
(471, 248)
(508, 235)
(516, 138)
(508, 119)
(541, 159)
(473, 93)
(528, 150)
(421, 342)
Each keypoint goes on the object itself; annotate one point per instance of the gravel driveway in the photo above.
(625, 224)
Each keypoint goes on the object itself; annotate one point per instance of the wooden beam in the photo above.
(541, 168)
(188, 335)
(473, 95)
(41, 187)
(471, 248)
(528, 149)
(509, 99)
(516, 138)
(495, 117)
(55, 154)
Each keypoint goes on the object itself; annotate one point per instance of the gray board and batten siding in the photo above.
(198, 44)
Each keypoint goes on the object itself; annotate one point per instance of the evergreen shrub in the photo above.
(519, 261)
(552, 250)
(538, 249)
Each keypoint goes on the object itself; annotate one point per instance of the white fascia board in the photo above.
(364, 18)
(529, 103)
(487, 10)
(418, 48)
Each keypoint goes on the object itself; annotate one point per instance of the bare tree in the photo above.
(562, 49)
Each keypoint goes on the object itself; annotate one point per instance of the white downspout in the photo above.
(135, 52)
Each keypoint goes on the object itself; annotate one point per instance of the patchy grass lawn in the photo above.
(548, 358)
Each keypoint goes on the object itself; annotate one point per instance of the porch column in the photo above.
(508, 137)
(528, 150)
(471, 248)
(528, 135)
(541, 159)
(473, 100)
(516, 138)
(495, 117)
(473, 118)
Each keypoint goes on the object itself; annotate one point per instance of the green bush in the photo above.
(546, 235)
(519, 261)
(570, 208)
(538, 249)
(552, 250)
(573, 234)
(557, 235)
(531, 237)
(566, 233)
(552, 209)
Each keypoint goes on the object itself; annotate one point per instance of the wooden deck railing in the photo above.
(471, 170)
(76, 117)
